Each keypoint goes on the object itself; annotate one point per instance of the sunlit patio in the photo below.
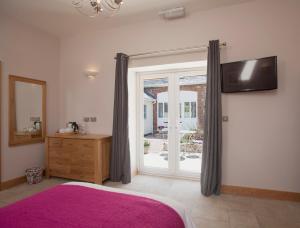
(156, 153)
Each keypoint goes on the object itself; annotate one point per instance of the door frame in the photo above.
(0, 124)
(173, 135)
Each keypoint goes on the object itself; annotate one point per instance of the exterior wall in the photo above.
(201, 91)
(189, 123)
(148, 126)
(162, 97)
(186, 123)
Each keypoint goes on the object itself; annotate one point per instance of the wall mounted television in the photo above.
(249, 75)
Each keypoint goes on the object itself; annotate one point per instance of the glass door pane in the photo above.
(191, 100)
(156, 123)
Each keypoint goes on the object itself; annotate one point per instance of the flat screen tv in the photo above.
(249, 75)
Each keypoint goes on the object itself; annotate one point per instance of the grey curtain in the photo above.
(212, 145)
(120, 156)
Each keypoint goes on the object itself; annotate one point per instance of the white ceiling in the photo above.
(59, 18)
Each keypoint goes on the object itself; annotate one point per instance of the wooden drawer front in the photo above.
(106, 149)
(60, 171)
(60, 161)
(88, 145)
(85, 155)
(83, 160)
(83, 173)
(71, 144)
(55, 142)
(59, 153)
(59, 166)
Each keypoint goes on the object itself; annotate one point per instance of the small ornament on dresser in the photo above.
(72, 128)
(83, 129)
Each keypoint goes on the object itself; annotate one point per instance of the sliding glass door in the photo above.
(171, 111)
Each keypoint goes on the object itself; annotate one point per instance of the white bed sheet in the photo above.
(179, 208)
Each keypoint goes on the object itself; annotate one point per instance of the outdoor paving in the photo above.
(157, 156)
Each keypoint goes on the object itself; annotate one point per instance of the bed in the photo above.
(77, 204)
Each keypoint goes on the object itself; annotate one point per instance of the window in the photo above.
(160, 110)
(180, 110)
(145, 111)
(190, 109)
(165, 109)
(193, 108)
(187, 109)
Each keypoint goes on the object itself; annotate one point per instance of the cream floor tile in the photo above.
(3, 204)
(19, 196)
(204, 223)
(25, 190)
(6, 194)
(281, 210)
(215, 214)
(189, 203)
(267, 222)
(212, 201)
(186, 186)
(242, 219)
(235, 203)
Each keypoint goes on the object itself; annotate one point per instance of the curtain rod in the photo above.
(173, 51)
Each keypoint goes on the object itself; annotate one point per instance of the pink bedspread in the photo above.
(77, 206)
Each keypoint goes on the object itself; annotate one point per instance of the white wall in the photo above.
(261, 140)
(27, 52)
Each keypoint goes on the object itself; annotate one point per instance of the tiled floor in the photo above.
(214, 212)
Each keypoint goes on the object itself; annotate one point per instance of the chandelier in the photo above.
(93, 8)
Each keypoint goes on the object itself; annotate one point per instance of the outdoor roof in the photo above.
(147, 97)
(187, 80)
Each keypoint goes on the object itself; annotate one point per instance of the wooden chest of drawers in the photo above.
(78, 157)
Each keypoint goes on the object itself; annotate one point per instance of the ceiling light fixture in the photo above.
(93, 8)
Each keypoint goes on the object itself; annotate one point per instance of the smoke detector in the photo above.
(173, 13)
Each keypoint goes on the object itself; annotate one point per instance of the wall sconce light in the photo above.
(91, 74)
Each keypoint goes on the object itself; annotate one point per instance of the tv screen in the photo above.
(249, 75)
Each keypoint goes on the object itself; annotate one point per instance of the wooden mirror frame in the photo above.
(0, 124)
(12, 111)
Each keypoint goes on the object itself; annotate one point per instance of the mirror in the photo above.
(27, 111)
